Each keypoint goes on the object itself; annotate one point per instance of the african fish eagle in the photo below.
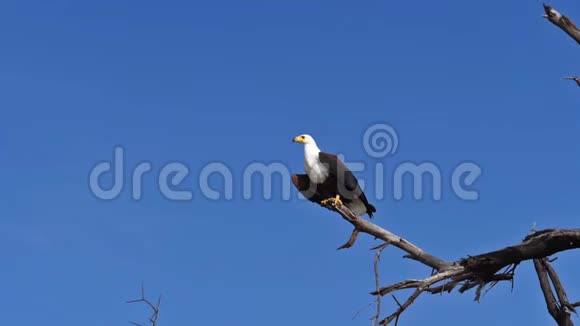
(328, 178)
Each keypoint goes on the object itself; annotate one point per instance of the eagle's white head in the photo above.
(304, 139)
(317, 172)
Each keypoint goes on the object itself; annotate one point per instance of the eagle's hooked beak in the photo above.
(298, 139)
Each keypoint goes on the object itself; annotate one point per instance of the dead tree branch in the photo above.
(379, 249)
(560, 309)
(154, 307)
(480, 271)
(574, 78)
(412, 250)
(562, 22)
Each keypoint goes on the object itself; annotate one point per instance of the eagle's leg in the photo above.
(335, 200)
(351, 240)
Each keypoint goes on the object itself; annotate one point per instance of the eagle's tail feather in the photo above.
(371, 210)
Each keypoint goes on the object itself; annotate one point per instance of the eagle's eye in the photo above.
(302, 137)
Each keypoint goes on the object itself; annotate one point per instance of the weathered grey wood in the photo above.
(560, 309)
(574, 78)
(537, 245)
(412, 250)
(472, 272)
(563, 22)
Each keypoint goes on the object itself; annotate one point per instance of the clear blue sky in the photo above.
(232, 82)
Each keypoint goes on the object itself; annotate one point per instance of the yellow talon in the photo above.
(336, 201)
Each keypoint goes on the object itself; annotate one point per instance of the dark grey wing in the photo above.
(339, 170)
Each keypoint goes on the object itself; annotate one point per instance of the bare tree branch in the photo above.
(546, 289)
(412, 250)
(563, 22)
(379, 249)
(351, 240)
(154, 307)
(480, 271)
(574, 78)
(561, 308)
(565, 305)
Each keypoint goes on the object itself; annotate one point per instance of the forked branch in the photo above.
(559, 308)
(154, 307)
(481, 272)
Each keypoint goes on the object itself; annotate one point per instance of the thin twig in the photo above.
(154, 307)
(380, 248)
(402, 307)
(363, 309)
